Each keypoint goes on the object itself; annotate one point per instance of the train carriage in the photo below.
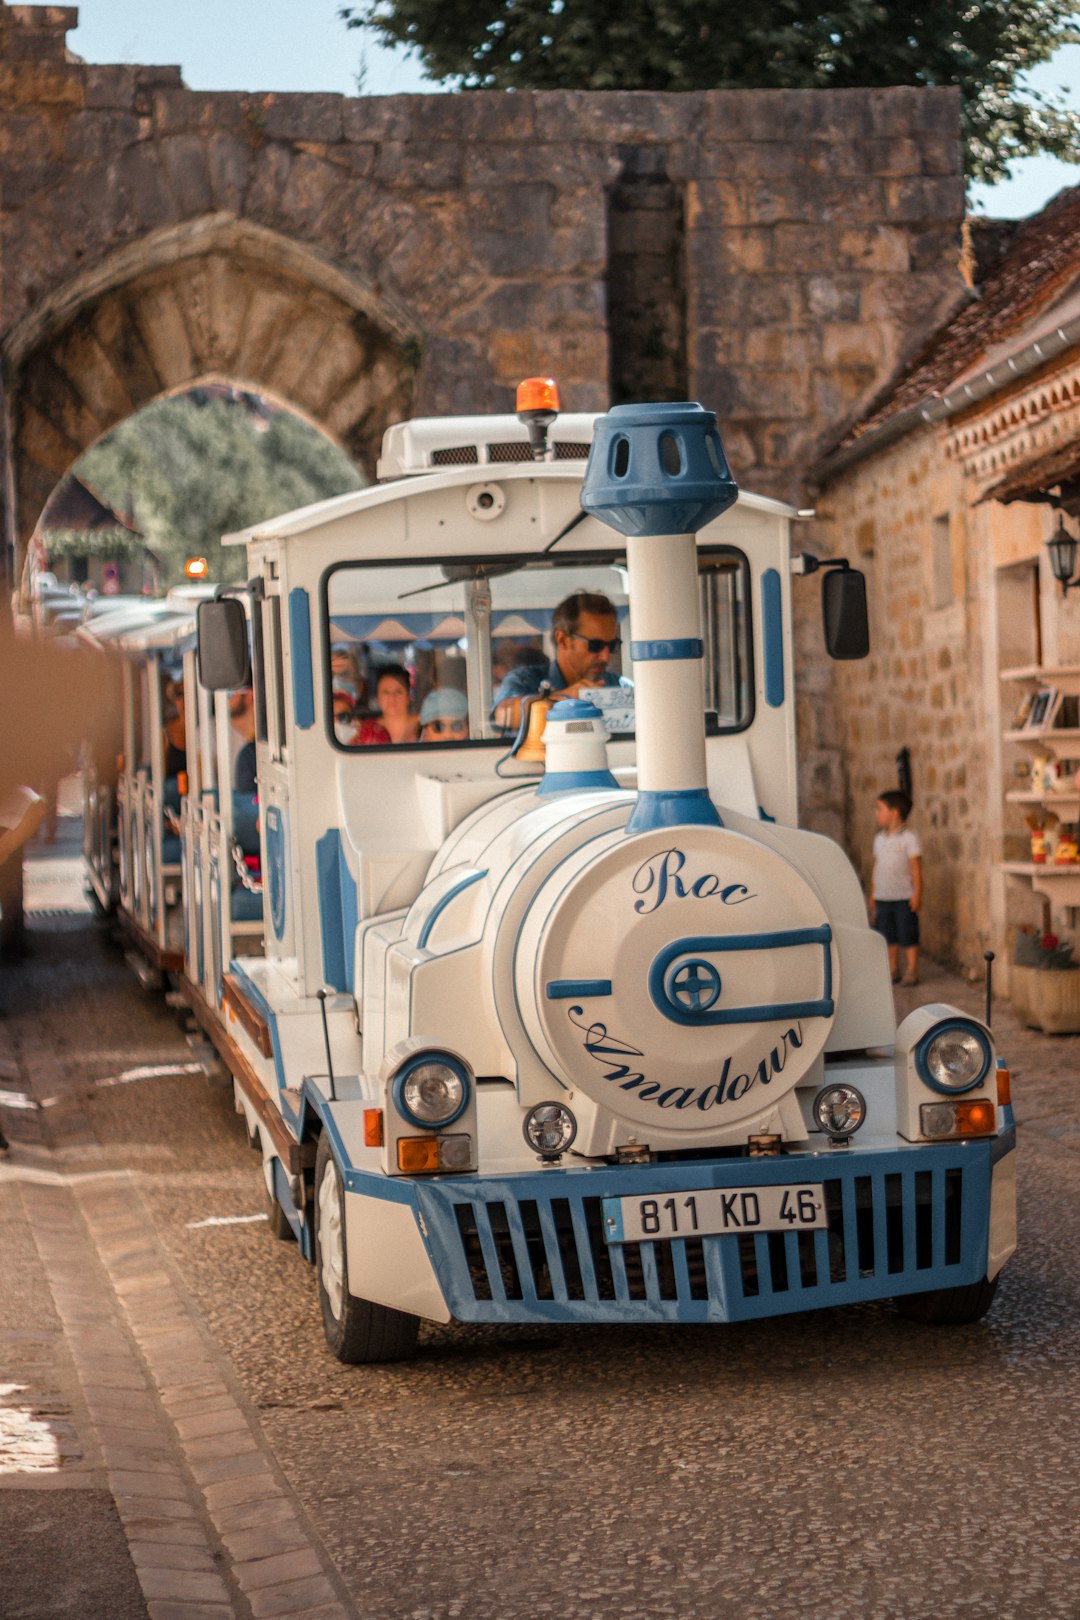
(557, 1014)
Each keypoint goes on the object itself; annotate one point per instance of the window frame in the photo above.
(567, 559)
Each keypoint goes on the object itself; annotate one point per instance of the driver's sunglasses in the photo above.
(596, 645)
(454, 727)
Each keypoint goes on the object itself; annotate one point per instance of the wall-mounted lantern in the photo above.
(1063, 547)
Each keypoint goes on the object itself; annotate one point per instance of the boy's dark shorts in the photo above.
(897, 922)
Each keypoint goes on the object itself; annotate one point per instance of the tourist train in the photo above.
(536, 1000)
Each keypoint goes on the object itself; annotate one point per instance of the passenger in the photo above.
(242, 720)
(393, 694)
(175, 728)
(345, 697)
(444, 715)
(585, 628)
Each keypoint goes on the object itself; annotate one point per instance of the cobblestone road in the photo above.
(175, 1439)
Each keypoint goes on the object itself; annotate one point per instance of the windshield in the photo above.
(415, 658)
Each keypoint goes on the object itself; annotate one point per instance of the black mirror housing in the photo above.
(222, 634)
(843, 606)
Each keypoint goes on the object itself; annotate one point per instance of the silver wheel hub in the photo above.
(331, 1240)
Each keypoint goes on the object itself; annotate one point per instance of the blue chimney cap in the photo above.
(657, 469)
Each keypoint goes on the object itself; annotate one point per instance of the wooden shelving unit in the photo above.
(1059, 884)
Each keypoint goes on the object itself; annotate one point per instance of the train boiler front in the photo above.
(678, 974)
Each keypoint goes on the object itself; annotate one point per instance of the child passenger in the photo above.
(896, 885)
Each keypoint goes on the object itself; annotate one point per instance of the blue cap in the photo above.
(657, 469)
(574, 709)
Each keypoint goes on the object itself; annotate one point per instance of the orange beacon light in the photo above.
(537, 407)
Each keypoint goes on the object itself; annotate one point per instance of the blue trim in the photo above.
(784, 940)
(664, 651)
(772, 623)
(417, 1062)
(838, 1270)
(253, 994)
(674, 807)
(575, 781)
(763, 815)
(567, 989)
(441, 904)
(932, 1035)
(338, 913)
(303, 680)
(275, 868)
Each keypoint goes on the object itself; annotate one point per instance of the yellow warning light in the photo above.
(196, 568)
(537, 394)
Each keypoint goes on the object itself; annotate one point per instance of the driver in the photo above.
(586, 631)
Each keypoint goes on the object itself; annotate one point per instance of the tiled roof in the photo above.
(1040, 260)
(74, 506)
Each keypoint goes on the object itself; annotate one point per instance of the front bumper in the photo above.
(530, 1248)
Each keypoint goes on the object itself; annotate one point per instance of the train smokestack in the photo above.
(658, 474)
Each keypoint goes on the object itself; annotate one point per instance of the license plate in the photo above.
(714, 1212)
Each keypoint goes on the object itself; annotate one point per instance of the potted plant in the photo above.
(1044, 985)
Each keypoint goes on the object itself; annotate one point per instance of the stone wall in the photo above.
(367, 256)
(924, 686)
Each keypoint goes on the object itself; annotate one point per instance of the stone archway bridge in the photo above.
(774, 254)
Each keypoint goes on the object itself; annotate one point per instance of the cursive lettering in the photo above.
(661, 876)
(610, 1052)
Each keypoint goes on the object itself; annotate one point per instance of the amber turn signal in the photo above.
(417, 1155)
(951, 1119)
(1004, 1080)
(537, 394)
(196, 568)
(373, 1127)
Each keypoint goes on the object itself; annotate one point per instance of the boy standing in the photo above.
(896, 886)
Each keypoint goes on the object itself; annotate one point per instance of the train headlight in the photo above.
(431, 1089)
(839, 1111)
(953, 1057)
(550, 1129)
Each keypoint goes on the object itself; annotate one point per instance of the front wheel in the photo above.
(356, 1329)
(949, 1307)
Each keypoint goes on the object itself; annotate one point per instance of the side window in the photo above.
(275, 676)
(728, 672)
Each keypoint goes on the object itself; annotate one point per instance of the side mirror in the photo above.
(221, 629)
(843, 606)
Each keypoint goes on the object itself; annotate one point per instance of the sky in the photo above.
(302, 45)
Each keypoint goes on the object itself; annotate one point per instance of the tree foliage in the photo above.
(982, 46)
(193, 472)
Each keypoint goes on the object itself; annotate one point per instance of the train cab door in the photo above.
(152, 906)
(268, 665)
(199, 758)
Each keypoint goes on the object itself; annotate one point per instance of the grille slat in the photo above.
(891, 1228)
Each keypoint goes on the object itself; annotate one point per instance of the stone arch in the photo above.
(217, 297)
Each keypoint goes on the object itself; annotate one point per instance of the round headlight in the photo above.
(839, 1110)
(431, 1091)
(550, 1128)
(953, 1057)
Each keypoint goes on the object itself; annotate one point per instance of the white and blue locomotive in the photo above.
(579, 1027)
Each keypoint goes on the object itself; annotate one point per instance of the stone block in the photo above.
(834, 296)
(878, 247)
(40, 84)
(924, 198)
(230, 160)
(91, 136)
(302, 117)
(853, 343)
(109, 86)
(437, 167)
(187, 112)
(905, 109)
(184, 162)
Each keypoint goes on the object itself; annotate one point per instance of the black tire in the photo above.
(949, 1307)
(356, 1330)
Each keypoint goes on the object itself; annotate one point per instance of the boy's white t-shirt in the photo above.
(893, 853)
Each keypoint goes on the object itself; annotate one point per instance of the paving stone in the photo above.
(131, 1483)
(153, 1507)
(291, 1596)
(259, 1487)
(254, 1515)
(183, 1584)
(161, 1609)
(234, 1443)
(163, 1555)
(268, 1541)
(284, 1566)
(216, 1469)
(225, 1420)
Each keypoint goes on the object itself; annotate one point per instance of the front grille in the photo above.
(458, 455)
(567, 450)
(889, 1231)
(515, 450)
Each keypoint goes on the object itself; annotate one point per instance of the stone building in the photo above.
(946, 493)
(83, 541)
(775, 254)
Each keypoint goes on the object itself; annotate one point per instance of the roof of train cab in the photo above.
(419, 484)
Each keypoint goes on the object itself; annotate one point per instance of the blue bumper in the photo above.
(531, 1248)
